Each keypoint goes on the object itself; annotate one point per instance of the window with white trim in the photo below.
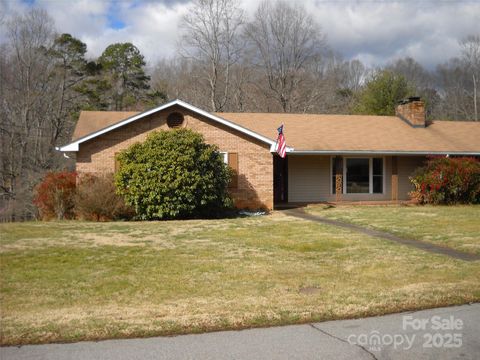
(361, 175)
(377, 175)
(225, 156)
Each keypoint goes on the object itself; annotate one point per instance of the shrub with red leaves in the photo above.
(447, 181)
(54, 196)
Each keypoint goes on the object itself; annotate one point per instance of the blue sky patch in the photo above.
(114, 21)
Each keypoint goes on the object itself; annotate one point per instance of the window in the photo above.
(377, 175)
(174, 120)
(224, 156)
(360, 175)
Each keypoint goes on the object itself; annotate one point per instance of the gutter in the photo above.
(384, 152)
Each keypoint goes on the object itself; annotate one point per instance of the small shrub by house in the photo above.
(54, 195)
(448, 181)
(96, 199)
(173, 174)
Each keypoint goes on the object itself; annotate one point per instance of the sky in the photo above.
(373, 31)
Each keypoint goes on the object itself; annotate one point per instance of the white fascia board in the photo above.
(385, 152)
(69, 147)
(74, 146)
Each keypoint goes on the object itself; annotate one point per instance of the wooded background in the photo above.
(277, 61)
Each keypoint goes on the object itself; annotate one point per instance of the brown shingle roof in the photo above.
(360, 132)
(91, 121)
(311, 132)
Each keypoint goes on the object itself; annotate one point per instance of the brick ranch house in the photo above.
(329, 157)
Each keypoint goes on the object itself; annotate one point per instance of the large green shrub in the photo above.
(447, 181)
(173, 174)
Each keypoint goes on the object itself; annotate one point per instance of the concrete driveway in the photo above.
(444, 333)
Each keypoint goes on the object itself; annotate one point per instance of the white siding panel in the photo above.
(308, 178)
(406, 167)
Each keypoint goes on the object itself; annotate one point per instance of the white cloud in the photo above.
(80, 18)
(379, 31)
(373, 31)
(160, 22)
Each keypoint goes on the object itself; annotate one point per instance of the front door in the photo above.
(280, 179)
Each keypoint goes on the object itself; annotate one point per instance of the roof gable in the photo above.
(312, 133)
(74, 145)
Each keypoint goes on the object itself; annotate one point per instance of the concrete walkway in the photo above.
(436, 249)
(413, 335)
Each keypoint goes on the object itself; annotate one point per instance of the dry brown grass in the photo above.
(70, 281)
(457, 227)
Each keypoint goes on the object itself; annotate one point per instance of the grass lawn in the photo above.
(457, 227)
(70, 281)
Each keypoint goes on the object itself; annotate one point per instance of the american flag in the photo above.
(281, 146)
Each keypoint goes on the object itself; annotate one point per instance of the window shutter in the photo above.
(233, 163)
(117, 163)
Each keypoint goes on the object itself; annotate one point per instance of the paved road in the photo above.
(401, 336)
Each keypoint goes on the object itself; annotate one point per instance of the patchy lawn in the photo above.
(70, 281)
(457, 227)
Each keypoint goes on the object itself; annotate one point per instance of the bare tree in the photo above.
(414, 73)
(421, 81)
(181, 78)
(471, 57)
(458, 82)
(25, 102)
(286, 39)
(354, 75)
(211, 38)
(38, 104)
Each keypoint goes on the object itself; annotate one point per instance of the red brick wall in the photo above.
(255, 181)
(413, 112)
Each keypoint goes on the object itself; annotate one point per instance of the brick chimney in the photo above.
(412, 110)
